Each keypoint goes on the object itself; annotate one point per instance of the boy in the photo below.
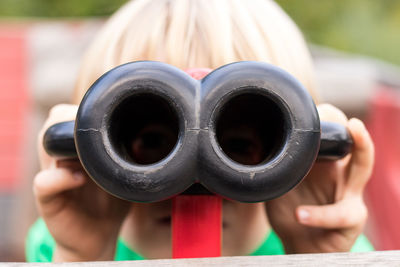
(325, 213)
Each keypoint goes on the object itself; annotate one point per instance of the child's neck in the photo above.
(245, 228)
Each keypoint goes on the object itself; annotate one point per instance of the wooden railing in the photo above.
(376, 258)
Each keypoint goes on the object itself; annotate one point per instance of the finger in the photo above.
(330, 113)
(49, 183)
(62, 112)
(362, 158)
(71, 164)
(344, 214)
(58, 113)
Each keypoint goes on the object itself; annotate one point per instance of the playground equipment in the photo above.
(147, 131)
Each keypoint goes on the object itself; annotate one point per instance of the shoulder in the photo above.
(272, 245)
(362, 244)
(125, 253)
(39, 246)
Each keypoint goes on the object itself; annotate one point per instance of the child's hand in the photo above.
(326, 212)
(83, 219)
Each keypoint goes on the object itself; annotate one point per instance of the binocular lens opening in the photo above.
(144, 128)
(250, 129)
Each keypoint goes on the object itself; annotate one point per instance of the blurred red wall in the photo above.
(14, 104)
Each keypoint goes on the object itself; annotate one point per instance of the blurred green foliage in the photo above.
(58, 8)
(369, 27)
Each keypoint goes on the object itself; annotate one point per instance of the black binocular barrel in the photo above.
(146, 131)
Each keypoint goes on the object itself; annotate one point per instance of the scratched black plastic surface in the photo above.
(197, 159)
(336, 141)
(59, 140)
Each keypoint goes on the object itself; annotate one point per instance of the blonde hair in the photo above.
(197, 33)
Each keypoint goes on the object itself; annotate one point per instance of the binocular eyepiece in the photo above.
(146, 131)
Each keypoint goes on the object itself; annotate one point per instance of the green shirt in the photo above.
(40, 246)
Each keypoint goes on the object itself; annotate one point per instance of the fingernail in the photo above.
(304, 215)
(78, 176)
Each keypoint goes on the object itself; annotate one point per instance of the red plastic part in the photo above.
(196, 226)
(196, 219)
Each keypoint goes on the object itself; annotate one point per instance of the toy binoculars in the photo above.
(248, 131)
